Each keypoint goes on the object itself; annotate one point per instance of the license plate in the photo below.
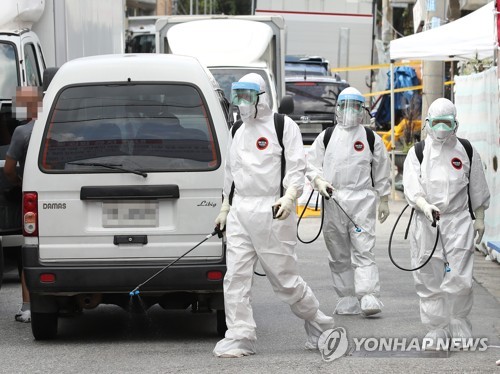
(130, 214)
(311, 128)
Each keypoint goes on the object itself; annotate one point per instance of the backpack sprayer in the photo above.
(217, 231)
(435, 223)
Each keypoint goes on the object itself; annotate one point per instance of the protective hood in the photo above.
(349, 110)
(441, 112)
(261, 110)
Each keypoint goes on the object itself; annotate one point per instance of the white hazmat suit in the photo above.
(356, 176)
(253, 164)
(440, 184)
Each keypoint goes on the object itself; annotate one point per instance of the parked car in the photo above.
(306, 65)
(123, 176)
(314, 101)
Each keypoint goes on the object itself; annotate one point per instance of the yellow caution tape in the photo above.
(380, 66)
(375, 67)
(403, 89)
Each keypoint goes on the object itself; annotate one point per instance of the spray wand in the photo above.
(217, 231)
(330, 192)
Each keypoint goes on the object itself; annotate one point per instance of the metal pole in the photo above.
(374, 21)
(252, 9)
(393, 145)
(452, 77)
(386, 23)
(190, 7)
(205, 7)
(432, 71)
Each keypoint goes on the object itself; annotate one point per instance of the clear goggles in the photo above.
(244, 93)
(442, 122)
(354, 105)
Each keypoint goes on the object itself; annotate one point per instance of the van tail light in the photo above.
(215, 275)
(30, 214)
(47, 278)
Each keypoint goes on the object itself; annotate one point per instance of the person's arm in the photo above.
(220, 220)
(413, 190)
(315, 157)
(314, 171)
(14, 153)
(381, 168)
(478, 187)
(479, 194)
(10, 171)
(228, 175)
(294, 179)
(295, 157)
(411, 178)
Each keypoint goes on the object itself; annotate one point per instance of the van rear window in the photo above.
(144, 127)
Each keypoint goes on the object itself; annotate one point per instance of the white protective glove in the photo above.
(426, 208)
(222, 217)
(286, 203)
(479, 224)
(383, 208)
(322, 186)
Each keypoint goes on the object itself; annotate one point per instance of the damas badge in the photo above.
(456, 163)
(359, 146)
(262, 143)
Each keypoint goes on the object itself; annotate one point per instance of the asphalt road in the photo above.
(109, 340)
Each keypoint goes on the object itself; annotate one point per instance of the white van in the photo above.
(123, 176)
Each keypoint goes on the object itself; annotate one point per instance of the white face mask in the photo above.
(246, 111)
(21, 112)
(440, 133)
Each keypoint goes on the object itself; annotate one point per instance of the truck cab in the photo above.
(140, 34)
(230, 47)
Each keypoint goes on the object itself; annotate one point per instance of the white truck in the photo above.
(230, 46)
(140, 34)
(35, 34)
(340, 31)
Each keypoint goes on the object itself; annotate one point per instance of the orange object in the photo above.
(399, 131)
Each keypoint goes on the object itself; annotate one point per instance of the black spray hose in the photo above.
(302, 214)
(136, 291)
(260, 274)
(298, 223)
(434, 224)
(358, 229)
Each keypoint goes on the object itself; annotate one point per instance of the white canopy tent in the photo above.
(472, 36)
(468, 37)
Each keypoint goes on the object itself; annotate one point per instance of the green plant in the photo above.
(475, 65)
(411, 112)
(406, 147)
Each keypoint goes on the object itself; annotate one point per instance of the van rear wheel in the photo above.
(44, 325)
(221, 323)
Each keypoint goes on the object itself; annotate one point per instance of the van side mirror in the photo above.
(286, 105)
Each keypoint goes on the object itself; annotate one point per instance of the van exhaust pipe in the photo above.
(89, 300)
